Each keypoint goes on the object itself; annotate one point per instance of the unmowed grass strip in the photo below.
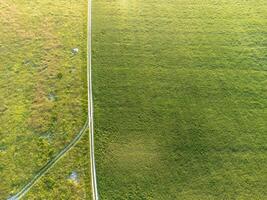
(43, 90)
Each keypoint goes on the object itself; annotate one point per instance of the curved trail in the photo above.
(50, 164)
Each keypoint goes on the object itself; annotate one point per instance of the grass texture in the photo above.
(180, 99)
(43, 97)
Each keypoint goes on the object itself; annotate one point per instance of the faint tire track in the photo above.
(50, 164)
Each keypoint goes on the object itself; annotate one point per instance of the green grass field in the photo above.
(43, 97)
(180, 99)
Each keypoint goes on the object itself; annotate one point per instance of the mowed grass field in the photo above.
(180, 92)
(43, 97)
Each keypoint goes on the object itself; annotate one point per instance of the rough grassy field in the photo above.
(180, 99)
(43, 97)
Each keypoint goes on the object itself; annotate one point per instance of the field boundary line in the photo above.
(90, 101)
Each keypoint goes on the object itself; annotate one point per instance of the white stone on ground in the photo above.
(74, 176)
(75, 50)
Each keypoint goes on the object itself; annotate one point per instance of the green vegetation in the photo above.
(43, 102)
(58, 183)
(180, 99)
(179, 90)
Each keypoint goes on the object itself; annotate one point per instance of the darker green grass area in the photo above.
(180, 99)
